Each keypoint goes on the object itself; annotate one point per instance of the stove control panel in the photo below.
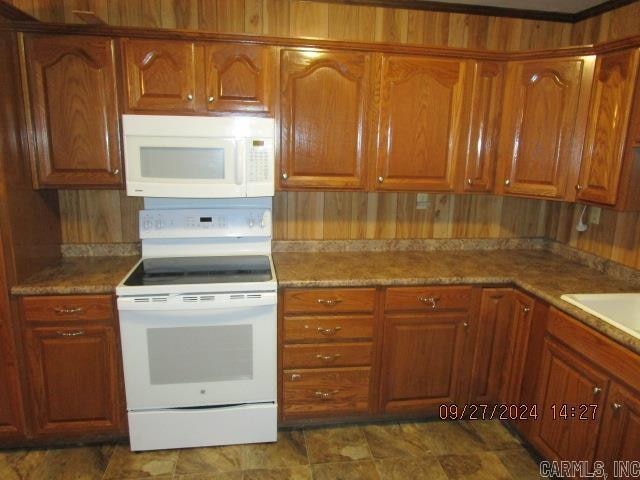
(219, 222)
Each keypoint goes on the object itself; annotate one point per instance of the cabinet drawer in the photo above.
(427, 298)
(329, 300)
(327, 328)
(67, 307)
(328, 391)
(326, 355)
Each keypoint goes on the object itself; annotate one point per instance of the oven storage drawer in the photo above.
(317, 392)
(335, 328)
(329, 300)
(68, 307)
(327, 355)
(437, 298)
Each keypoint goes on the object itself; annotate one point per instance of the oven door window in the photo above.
(200, 354)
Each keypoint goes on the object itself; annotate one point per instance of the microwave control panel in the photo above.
(260, 160)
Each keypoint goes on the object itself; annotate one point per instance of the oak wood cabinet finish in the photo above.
(423, 114)
(161, 76)
(74, 106)
(239, 78)
(492, 345)
(609, 112)
(484, 128)
(329, 300)
(73, 369)
(543, 125)
(620, 436)
(324, 108)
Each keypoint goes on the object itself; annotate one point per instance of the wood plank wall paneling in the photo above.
(87, 216)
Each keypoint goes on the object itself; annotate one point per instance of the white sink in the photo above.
(621, 310)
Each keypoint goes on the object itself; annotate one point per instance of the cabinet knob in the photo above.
(189, 97)
(616, 406)
(596, 390)
(380, 179)
(469, 181)
(526, 309)
(507, 182)
(210, 99)
(578, 187)
(115, 172)
(285, 176)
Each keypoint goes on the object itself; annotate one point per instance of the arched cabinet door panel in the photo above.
(161, 76)
(543, 125)
(74, 107)
(324, 110)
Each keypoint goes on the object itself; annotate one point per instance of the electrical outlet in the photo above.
(594, 215)
(422, 201)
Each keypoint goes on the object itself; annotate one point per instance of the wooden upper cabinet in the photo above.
(74, 107)
(324, 109)
(238, 78)
(486, 108)
(543, 124)
(421, 123)
(611, 100)
(161, 76)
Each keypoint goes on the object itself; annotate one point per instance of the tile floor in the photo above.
(433, 450)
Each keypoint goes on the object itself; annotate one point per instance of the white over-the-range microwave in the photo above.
(198, 157)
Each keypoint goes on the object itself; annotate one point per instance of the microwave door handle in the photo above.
(241, 163)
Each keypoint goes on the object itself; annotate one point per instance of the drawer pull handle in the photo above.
(67, 310)
(77, 333)
(430, 301)
(329, 303)
(328, 358)
(295, 377)
(329, 331)
(325, 395)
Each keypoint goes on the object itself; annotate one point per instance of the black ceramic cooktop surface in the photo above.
(186, 270)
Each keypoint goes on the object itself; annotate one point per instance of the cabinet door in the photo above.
(486, 107)
(324, 103)
(75, 110)
(568, 387)
(238, 78)
(494, 331)
(421, 123)
(10, 421)
(74, 379)
(611, 99)
(161, 76)
(620, 437)
(422, 361)
(540, 141)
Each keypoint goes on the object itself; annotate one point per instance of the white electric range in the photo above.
(198, 325)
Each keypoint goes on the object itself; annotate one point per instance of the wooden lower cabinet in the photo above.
(73, 365)
(421, 361)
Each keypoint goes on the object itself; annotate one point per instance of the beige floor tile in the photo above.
(410, 468)
(395, 440)
(288, 451)
(79, 463)
(449, 437)
(20, 464)
(125, 464)
(477, 466)
(363, 470)
(520, 464)
(291, 473)
(237, 475)
(336, 444)
(495, 435)
(210, 459)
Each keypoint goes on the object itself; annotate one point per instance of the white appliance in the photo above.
(198, 325)
(198, 157)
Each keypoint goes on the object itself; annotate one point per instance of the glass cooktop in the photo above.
(188, 270)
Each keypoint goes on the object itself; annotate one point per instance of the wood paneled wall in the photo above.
(110, 216)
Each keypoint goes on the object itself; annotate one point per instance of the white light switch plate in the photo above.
(422, 201)
(594, 215)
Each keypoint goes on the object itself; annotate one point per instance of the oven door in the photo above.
(183, 166)
(195, 356)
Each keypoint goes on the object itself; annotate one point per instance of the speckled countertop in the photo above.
(78, 275)
(539, 272)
